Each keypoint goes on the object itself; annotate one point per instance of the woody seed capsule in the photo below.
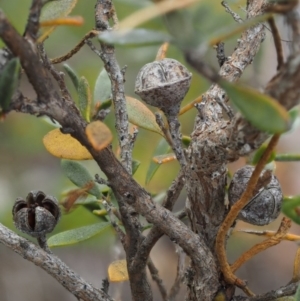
(37, 215)
(163, 84)
(265, 205)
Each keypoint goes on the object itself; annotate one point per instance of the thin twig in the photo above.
(58, 76)
(73, 51)
(103, 12)
(233, 213)
(267, 233)
(287, 290)
(277, 42)
(155, 277)
(179, 275)
(32, 26)
(220, 53)
(52, 265)
(133, 137)
(155, 233)
(174, 128)
(234, 15)
(268, 243)
(114, 222)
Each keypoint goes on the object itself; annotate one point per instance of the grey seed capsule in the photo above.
(37, 215)
(265, 205)
(163, 84)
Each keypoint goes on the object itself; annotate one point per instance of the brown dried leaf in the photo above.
(98, 134)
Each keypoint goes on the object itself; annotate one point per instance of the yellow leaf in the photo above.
(54, 10)
(65, 146)
(117, 271)
(98, 134)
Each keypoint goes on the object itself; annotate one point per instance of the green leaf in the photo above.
(140, 115)
(102, 91)
(90, 202)
(162, 148)
(291, 208)
(84, 98)
(287, 157)
(180, 24)
(54, 10)
(9, 79)
(105, 105)
(261, 110)
(135, 166)
(80, 176)
(73, 75)
(295, 119)
(134, 37)
(136, 3)
(75, 236)
(260, 152)
(186, 140)
(297, 295)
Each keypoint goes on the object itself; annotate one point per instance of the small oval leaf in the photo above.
(139, 36)
(261, 110)
(73, 75)
(140, 115)
(102, 91)
(117, 271)
(99, 135)
(54, 10)
(77, 235)
(65, 146)
(80, 176)
(84, 98)
(9, 79)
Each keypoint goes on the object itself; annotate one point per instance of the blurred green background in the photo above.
(25, 164)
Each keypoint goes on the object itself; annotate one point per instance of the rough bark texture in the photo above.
(215, 142)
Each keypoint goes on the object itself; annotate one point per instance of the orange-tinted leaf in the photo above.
(54, 10)
(99, 135)
(140, 115)
(161, 159)
(71, 21)
(117, 271)
(65, 146)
